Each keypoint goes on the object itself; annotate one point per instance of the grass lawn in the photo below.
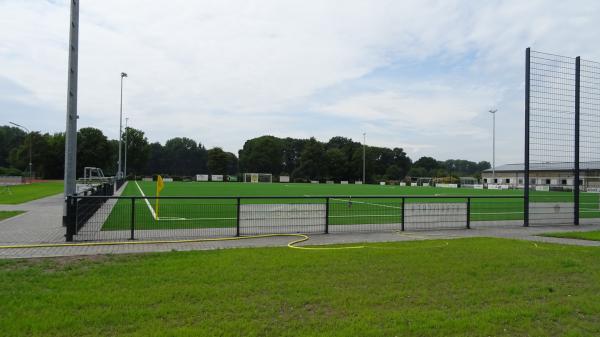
(198, 213)
(467, 287)
(23, 193)
(592, 235)
(9, 214)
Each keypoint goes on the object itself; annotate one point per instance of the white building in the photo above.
(544, 174)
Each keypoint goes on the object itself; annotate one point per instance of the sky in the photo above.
(421, 75)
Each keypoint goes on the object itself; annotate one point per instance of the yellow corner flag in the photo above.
(159, 187)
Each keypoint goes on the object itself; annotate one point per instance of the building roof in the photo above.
(584, 166)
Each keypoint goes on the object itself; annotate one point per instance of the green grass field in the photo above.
(466, 287)
(592, 235)
(22, 193)
(198, 213)
(9, 214)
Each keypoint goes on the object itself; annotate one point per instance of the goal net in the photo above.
(258, 178)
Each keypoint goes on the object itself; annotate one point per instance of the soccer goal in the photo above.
(258, 178)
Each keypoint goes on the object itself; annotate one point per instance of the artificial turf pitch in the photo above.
(462, 287)
(218, 213)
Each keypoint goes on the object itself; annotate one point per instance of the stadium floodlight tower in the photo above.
(125, 166)
(71, 122)
(119, 171)
(30, 148)
(364, 157)
(493, 112)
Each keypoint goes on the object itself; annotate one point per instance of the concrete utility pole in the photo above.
(125, 166)
(30, 147)
(71, 128)
(119, 170)
(364, 157)
(493, 112)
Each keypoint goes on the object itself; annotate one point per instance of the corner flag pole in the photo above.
(159, 186)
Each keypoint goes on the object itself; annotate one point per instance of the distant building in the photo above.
(553, 175)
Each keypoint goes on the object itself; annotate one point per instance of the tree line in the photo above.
(338, 159)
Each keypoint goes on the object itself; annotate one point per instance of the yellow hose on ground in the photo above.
(292, 244)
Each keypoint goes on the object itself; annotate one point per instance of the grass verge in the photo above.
(22, 193)
(469, 287)
(9, 214)
(592, 235)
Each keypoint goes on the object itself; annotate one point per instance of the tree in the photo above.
(291, 150)
(262, 155)
(54, 165)
(336, 164)
(19, 156)
(218, 161)
(183, 156)
(232, 164)
(402, 161)
(311, 161)
(10, 138)
(93, 150)
(138, 150)
(156, 159)
(394, 172)
(416, 172)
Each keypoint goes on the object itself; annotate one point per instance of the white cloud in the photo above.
(225, 71)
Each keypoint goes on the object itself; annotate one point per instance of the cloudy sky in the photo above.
(414, 74)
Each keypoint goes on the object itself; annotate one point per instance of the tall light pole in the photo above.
(119, 171)
(493, 112)
(71, 120)
(125, 166)
(364, 157)
(30, 147)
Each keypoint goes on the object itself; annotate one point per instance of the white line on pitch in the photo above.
(147, 202)
(366, 203)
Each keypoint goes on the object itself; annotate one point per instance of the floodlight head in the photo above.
(493, 111)
(123, 74)
(19, 126)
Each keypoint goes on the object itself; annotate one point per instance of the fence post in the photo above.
(237, 224)
(576, 159)
(468, 212)
(327, 215)
(402, 215)
(71, 218)
(132, 218)
(526, 168)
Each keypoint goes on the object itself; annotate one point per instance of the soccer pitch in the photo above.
(345, 208)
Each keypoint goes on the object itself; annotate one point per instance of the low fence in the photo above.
(82, 206)
(105, 217)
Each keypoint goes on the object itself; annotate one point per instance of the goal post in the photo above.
(258, 178)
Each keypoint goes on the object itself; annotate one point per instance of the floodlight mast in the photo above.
(71, 125)
(119, 170)
(364, 157)
(30, 147)
(493, 112)
(125, 166)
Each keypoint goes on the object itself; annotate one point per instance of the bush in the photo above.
(10, 171)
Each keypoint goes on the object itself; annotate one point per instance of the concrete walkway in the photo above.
(41, 222)
(519, 233)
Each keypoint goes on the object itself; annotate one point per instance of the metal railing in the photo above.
(105, 217)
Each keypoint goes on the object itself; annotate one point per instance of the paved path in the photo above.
(41, 222)
(519, 233)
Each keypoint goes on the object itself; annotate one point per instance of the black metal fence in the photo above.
(562, 142)
(112, 218)
(82, 206)
(119, 182)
